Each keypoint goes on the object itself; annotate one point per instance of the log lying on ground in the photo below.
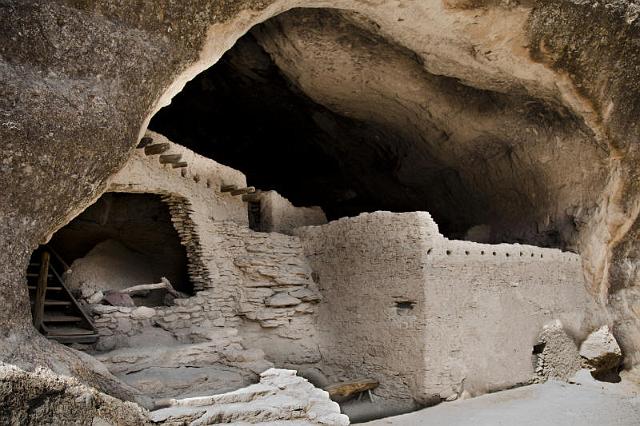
(164, 284)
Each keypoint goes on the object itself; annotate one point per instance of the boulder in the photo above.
(600, 351)
(143, 312)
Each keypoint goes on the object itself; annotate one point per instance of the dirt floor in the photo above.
(586, 402)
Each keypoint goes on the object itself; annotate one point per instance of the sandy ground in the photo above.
(553, 403)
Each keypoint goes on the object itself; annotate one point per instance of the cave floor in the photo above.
(586, 402)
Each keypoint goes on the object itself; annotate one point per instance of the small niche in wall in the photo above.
(404, 307)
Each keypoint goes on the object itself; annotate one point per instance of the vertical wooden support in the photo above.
(41, 290)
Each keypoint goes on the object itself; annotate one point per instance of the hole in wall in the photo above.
(404, 307)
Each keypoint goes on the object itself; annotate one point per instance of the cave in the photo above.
(122, 240)
(309, 104)
(408, 203)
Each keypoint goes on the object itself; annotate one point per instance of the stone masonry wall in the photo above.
(180, 210)
(258, 283)
(431, 318)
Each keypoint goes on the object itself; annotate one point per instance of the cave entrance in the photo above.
(313, 104)
(121, 241)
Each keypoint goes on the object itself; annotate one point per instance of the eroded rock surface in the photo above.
(42, 397)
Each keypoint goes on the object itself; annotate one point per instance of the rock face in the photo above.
(42, 397)
(601, 351)
(545, 96)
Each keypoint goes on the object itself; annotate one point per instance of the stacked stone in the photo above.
(180, 210)
(115, 324)
(277, 289)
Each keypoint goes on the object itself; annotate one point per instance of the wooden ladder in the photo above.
(56, 313)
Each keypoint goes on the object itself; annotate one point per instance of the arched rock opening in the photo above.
(315, 105)
(120, 241)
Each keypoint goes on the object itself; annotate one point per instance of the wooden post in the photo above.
(41, 290)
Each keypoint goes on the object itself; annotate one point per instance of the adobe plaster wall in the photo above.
(279, 215)
(432, 318)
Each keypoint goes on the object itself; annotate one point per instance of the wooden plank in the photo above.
(345, 390)
(170, 158)
(41, 289)
(61, 318)
(157, 148)
(49, 288)
(57, 303)
(75, 339)
(253, 197)
(247, 190)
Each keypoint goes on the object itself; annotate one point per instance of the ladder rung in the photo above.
(72, 333)
(55, 303)
(52, 288)
(33, 274)
(61, 318)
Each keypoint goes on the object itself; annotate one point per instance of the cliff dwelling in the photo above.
(301, 212)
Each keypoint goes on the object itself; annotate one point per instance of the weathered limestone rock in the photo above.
(143, 312)
(281, 396)
(280, 300)
(600, 350)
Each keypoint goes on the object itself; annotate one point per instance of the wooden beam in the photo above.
(255, 196)
(156, 148)
(145, 142)
(170, 158)
(228, 188)
(247, 190)
(180, 165)
(41, 290)
(164, 284)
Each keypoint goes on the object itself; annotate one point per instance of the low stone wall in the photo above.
(277, 214)
(431, 318)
